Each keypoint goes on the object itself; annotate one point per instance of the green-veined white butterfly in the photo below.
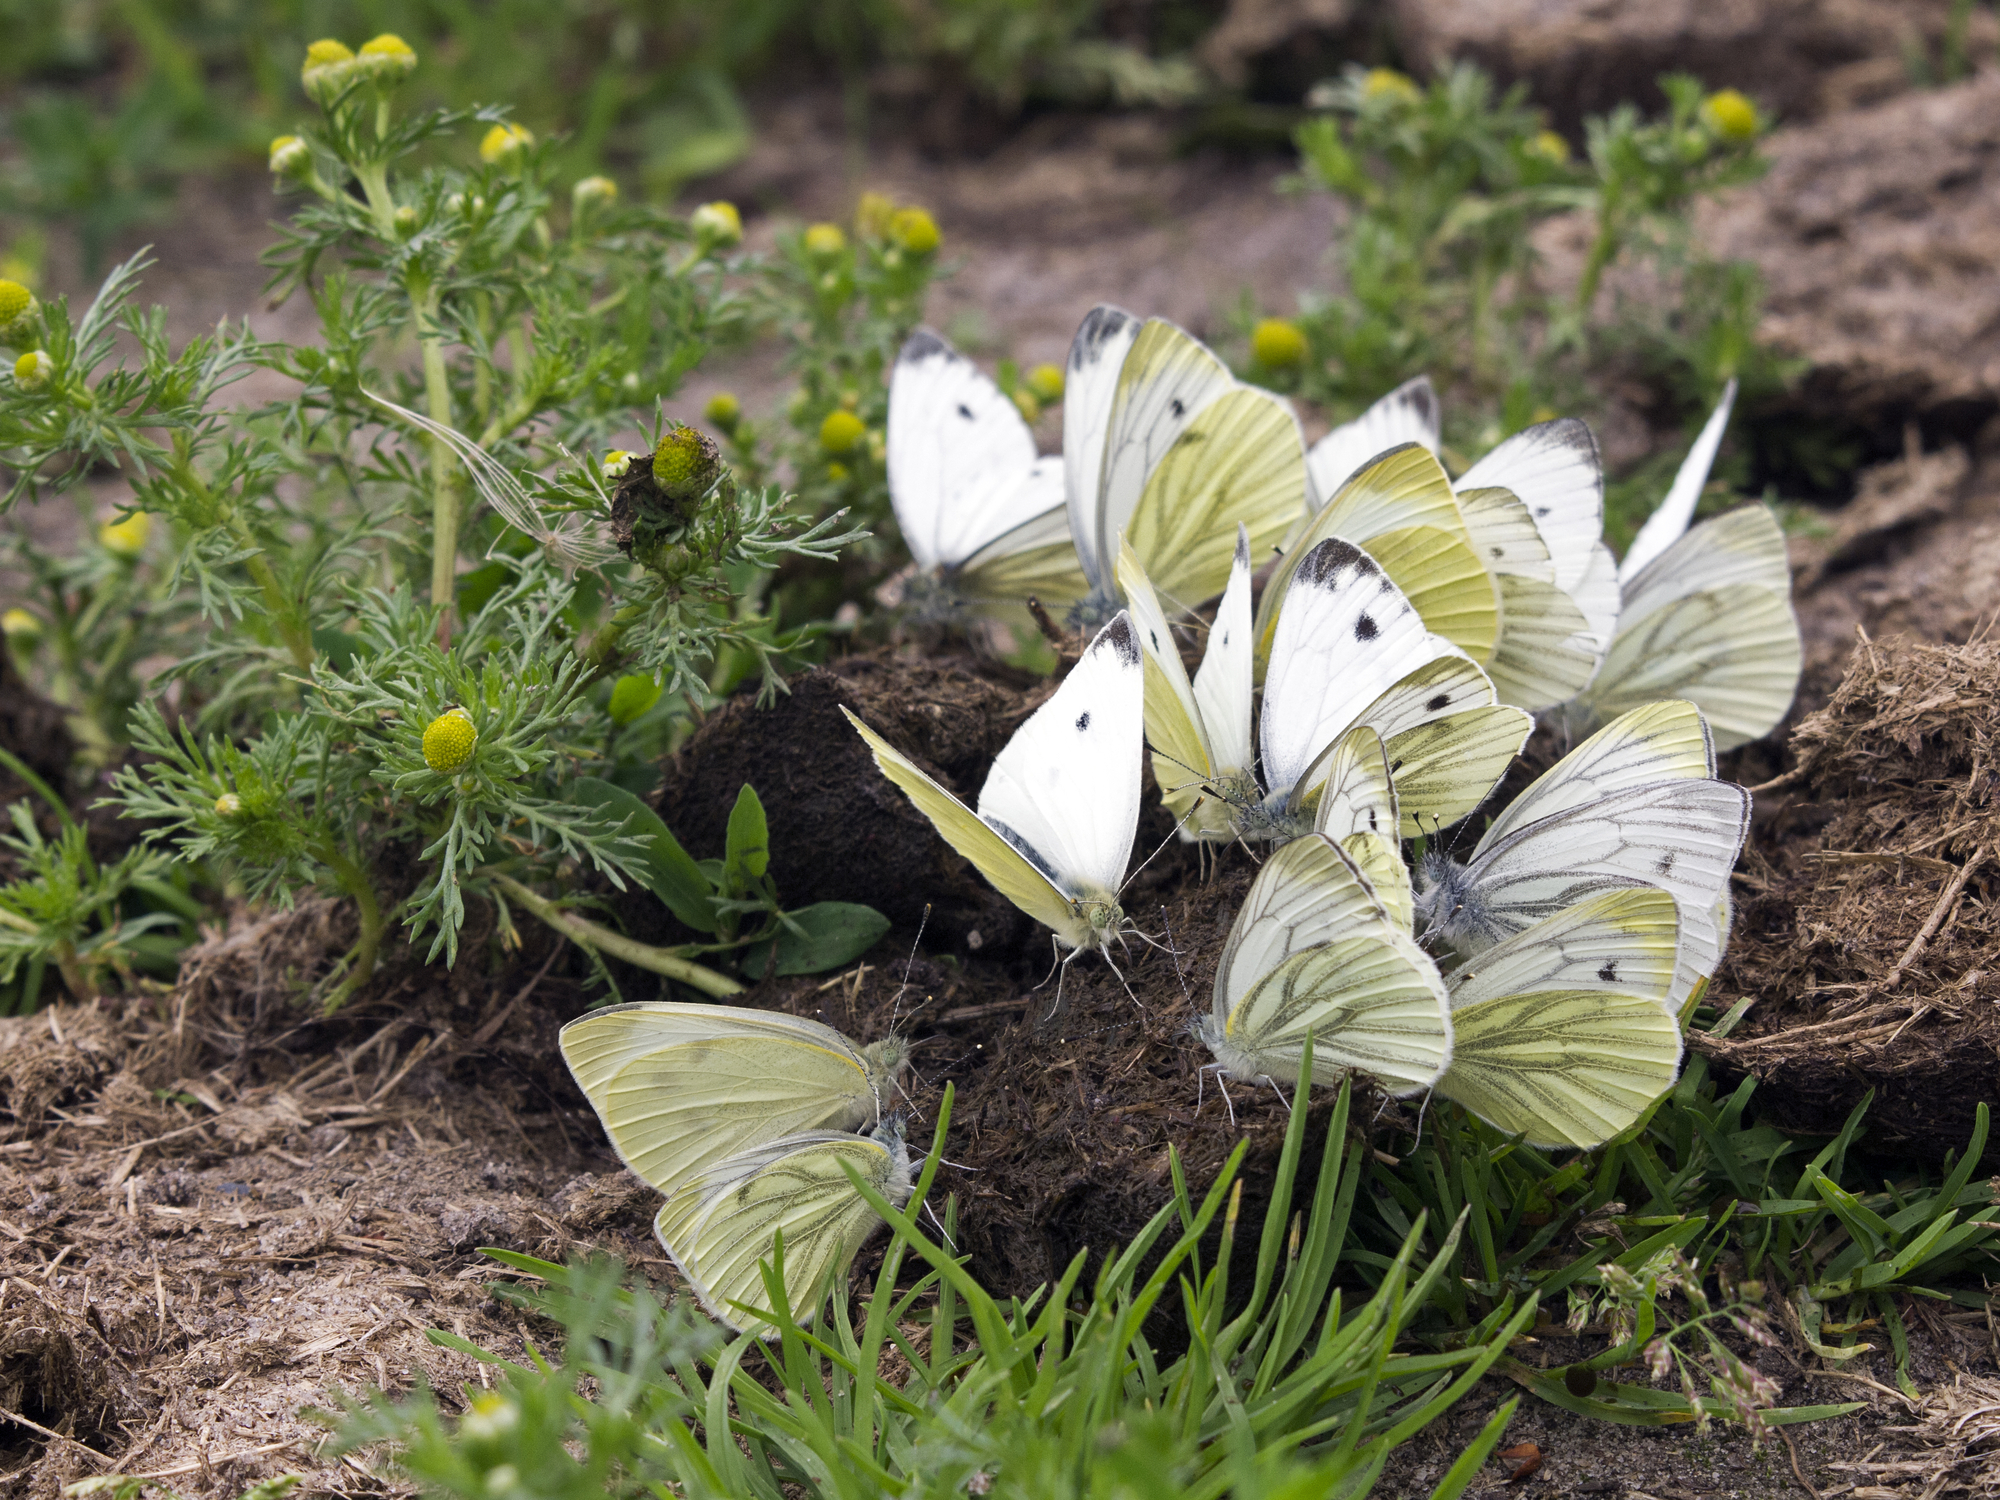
(1408, 414)
(984, 517)
(1561, 1032)
(1704, 613)
(1314, 950)
(726, 1219)
(1633, 805)
(1349, 649)
(1056, 818)
(680, 1086)
(1164, 448)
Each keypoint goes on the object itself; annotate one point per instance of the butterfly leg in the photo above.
(1280, 1093)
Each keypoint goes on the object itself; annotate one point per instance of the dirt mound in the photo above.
(1865, 929)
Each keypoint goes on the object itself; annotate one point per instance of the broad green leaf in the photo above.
(747, 855)
(669, 873)
(830, 934)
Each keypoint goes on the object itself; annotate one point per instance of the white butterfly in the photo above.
(1636, 804)
(1349, 649)
(982, 514)
(1704, 613)
(1166, 450)
(1060, 807)
(1408, 414)
(724, 1221)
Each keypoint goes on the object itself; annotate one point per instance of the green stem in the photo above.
(40, 787)
(444, 493)
(1602, 250)
(354, 880)
(640, 955)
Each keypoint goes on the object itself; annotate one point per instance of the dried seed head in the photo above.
(686, 463)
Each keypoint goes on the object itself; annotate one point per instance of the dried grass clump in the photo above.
(1873, 949)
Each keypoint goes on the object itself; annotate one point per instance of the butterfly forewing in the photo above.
(1555, 471)
(1090, 386)
(1663, 740)
(1621, 941)
(1670, 518)
(1735, 652)
(1408, 414)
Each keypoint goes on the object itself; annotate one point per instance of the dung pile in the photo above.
(1871, 942)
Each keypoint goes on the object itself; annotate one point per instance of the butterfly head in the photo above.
(1447, 903)
(1091, 614)
(1097, 921)
(886, 1060)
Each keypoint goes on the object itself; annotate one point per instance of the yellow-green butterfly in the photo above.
(680, 1086)
(726, 1219)
(983, 516)
(1561, 1032)
(1057, 815)
(1313, 949)
(1165, 449)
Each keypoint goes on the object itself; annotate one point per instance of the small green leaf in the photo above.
(747, 854)
(833, 933)
(669, 873)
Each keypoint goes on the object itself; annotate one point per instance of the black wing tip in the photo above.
(1242, 544)
(1121, 637)
(1422, 397)
(1331, 556)
(922, 344)
(1101, 324)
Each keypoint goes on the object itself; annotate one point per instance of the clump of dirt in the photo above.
(1866, 926)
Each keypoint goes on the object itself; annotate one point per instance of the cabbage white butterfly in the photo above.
(725, 1219)
(1056, 818)
(680, 1086)
(1164, 448)
(1408, 414)
(984, 517)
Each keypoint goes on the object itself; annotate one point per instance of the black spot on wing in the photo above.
(1666, 865)
(1122, 638)
(921, 345)
(1541, 512)
(1083, 722)
(1609, 973)
(1496, 551)
(1442, 700)
(1365, 628)
(965, 411)
(1178, 407)
(1422, 398)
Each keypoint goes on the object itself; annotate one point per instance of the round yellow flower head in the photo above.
(1046, 382)
(126, 538)
(329, 68)
(1387, 82)
(1731, 115)
(632, 696)
(837, 473)
(716, 226)
(1277, 344)
(824, 241)
(290, 157)
(1026, 404)
(505, 143)
(17, 304)
(388, 58)
(1549, 146)
(229, 804)
(20, 627)
(615, 463)
(592, 191)
(915, 230)
(723, 411)
(872, 215)
(449, 741)
(686, 463)
(840, 432)
(33, 370)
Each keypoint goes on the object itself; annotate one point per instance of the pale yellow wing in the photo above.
(1444, 578)
(1623, 941)
(1661, 740)
(1446, 768)
(1036, 560)
(1546, 652)
(1504, 534)
(1350, 791)
(1181, 760)
(1381, 861)
(1734, 651)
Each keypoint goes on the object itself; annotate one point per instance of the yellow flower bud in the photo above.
(686, 463)
(126, 538)
(290, 157)
(1026, 404)
(632, 696)
(723, 411)
(1549, 146)
(20, 627)
(449, 741)
(406, 221)
(229, 804)
(17, 304)
(872, 215)
(33, 370)
(1387, 82)
(1277, 344)
(840, 432)
(1731, 115)
(837, 473)
(592, 191)
(824, 241)
(505, 143)
(915, 230)
(387, 58)
(717, 225)
(328, 70)
(1046, 382)
(615, 463)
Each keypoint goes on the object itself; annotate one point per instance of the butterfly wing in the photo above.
(1622, 941)
(1445, 768)
(1380, 860)
(1555, 470)
(1562, 1067)
(1670, 518)
(724, 1222)
(1313, 951)
(1237, 464)
(1176, 727)
(1067, 785)
(1547, 652)
(1408, 414)
(1664, 740)
(679, 1086)
(1034, 558)
(1003, 865)
(1224, 684)
(1090, 384)
(957, 445)
(1349, 788)
(1734, 651)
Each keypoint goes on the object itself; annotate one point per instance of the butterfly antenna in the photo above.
(1150, 858)
(943, 1233)
(1174, 952)
(896, 1003)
